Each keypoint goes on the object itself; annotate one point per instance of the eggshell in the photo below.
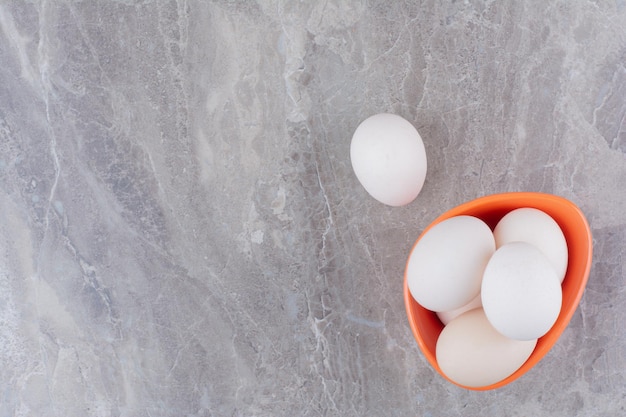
(537, 228)
(447, 316)
(521, 292)
(445, 267)
(472, 353)
(389, 159)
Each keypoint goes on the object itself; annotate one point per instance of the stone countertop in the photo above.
(182, 234)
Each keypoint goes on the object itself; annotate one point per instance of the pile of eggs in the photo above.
(496, 292)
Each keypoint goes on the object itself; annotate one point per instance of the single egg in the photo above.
(472, 353)
(389, 159)
(447, 316)
(521, 292)
(537, 228)
(445, 267)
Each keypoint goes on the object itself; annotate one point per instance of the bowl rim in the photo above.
(574, 225)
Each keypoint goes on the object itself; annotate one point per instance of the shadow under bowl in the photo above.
(425, 324)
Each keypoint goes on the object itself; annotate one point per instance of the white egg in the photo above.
(445, 267)
(521, 292)
(472, 353)
(389, 159)
(447, 316)
(537, 228)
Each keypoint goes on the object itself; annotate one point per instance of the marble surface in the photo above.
(182, 234)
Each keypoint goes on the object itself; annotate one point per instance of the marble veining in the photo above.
(181, 232)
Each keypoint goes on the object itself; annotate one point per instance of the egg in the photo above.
(521, 292)
(445, 267)
(537, 228)
(447, 316)
(472, 353)
(389, 159)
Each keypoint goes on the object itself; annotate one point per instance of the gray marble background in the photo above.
(181, 232)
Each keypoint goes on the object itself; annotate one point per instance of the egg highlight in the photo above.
(521, 292)
(472, 353)
(447, 316)
(389, 159)
(445, 267)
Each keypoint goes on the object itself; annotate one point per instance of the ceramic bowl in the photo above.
(426, 325)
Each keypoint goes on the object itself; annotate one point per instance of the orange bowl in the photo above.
(425, 324)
